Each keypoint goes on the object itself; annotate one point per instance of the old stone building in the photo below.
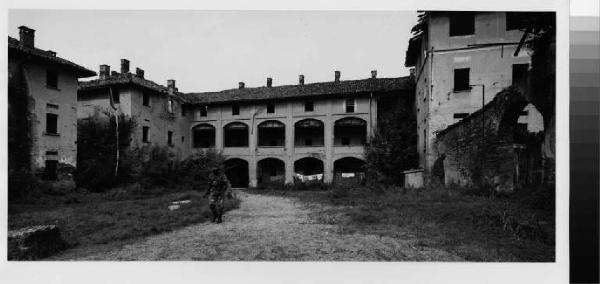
(42, 107)
(158, 110)
(267, 134)
(461, 60)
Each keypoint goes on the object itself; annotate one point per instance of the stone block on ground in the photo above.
(35, 242)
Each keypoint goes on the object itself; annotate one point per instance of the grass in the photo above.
(519, 227)
(119, 214)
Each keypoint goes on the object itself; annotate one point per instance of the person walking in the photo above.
(218, 188)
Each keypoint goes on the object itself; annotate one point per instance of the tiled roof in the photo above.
(122, 79)
(47, 56)
(300, 91)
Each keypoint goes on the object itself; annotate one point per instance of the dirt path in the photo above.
(263, 228)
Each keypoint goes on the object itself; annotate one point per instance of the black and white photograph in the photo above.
(266, 136)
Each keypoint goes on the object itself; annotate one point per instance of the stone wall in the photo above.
(480, 149)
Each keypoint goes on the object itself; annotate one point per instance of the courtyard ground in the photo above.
(266, 227)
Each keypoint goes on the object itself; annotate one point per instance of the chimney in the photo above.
(241, 85)
(269, 82)
(337, 76)
(301, 80)
(26, 37)
(373, 74)
(104, 72)
(53, 53)
(139, 72)
(124, 66)
(171, 85)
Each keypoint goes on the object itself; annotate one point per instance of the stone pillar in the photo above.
(289, 145)
(328, 121)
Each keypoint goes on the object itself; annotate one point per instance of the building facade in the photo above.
(461, 60)
(270, 134)
(42, 99)
(158, 110)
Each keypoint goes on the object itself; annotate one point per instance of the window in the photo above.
(182, 110)
(519, 73)
(308, 142)
(50, 170)
(345, 140)
(309, 106)
(146, 99)
(51, 123)
(462, 23)
(271, 108)
(349, 103)
(461, 79)
(51, 78)
(235, 109)
(170, 105)
(145, 130)
(203, 111)
(512, 21)
(461, 115)
(170, 137)
(51, 106)
(182, 138)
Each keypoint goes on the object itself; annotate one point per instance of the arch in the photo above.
(308, 169)
(349, 168)
(271, 133)
(235, 134)
(350, 131)
(203, 136)
(236, 170)
(270, 171)
(309, 132)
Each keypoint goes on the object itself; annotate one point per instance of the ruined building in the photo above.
(461, 61)
(42, 107)
(267, 134)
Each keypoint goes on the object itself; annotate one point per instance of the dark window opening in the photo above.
(309, 132)
(270, 171)
(145, 130)
(146, 99)
(236, 171)
(203, 136)
(309, 106)
(524, 113)
(350, 131)
(203, 111)
(271, 133)
(512, 21)
(182, 138)
(51, 123)
(462, 23)
(50, 170)
(235, 109)
(182, 110)
(170, 137)
(116, 96)
(461, 115)
(235, 135)
(519, 74)
(461, 79)
(270, 108)
(52, 78)
(349, 105)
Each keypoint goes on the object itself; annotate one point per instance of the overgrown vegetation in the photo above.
(393, 148)
(463, 221)
(121, 213)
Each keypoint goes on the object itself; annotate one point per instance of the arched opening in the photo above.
(308, 169)
(308, 133)
(235, 134)
(203, 136)
(270, 171)
(349, 168)
(271, 133)
(350, 131)
(237, 172)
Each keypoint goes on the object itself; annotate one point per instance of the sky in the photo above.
(214, 50)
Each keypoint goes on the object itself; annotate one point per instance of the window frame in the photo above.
(270, 107)
(52, 78)
(203, 111)
(235, 109)
(309, 106)
(145, 134)
(170, 138)
(145, 99)
(48, 129)
(457, 24)
(350, 108)
(467, 86)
